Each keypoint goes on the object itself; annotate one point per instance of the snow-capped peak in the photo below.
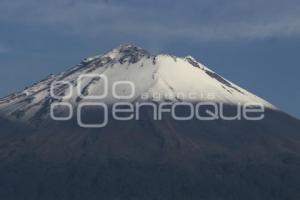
(155, 78)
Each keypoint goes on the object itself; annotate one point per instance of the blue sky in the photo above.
(253, 43)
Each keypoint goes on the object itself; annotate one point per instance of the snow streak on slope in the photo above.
(168, 77)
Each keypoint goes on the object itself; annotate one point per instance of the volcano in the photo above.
(46, 157)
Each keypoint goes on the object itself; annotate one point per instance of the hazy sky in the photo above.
(254, 43)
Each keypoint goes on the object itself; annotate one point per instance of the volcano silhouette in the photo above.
(144, 159)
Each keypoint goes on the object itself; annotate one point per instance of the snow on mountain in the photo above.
(157, 77)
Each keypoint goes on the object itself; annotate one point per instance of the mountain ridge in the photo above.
(150, 74)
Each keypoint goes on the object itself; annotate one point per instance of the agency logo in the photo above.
(125, 108)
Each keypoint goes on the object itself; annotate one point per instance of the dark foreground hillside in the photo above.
(152, 160)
